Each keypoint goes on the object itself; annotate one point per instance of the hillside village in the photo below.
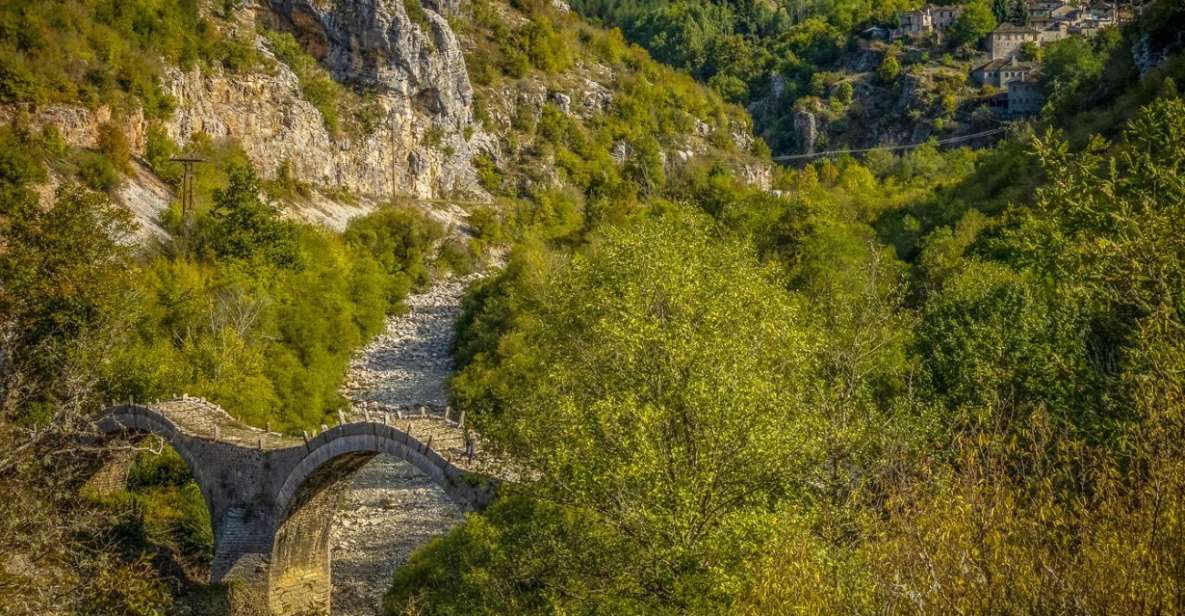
(1013, 67)
(941, 72)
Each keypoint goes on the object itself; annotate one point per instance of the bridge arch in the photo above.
(299, 573)
(134, 419)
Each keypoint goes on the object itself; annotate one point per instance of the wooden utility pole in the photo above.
(187, 182)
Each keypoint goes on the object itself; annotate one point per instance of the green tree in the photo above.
(657, 385)
(242, 226)
(114, 145)
(1018, 12)
(889, 70)
(1030, 52)
(63, 279)
(844, 92)
(976, 22)
(1000, 10)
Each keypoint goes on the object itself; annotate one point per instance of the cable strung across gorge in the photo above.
(891, 148)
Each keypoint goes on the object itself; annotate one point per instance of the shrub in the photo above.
(889, 70)
(487, 173)
(114, 145)
(415, 10)
(97, 171)
(159, 149)
(844, 92)
(103, 52)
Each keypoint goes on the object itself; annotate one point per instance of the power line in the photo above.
(890, 148)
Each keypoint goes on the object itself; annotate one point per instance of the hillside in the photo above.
(352, 153)
(945, 380)
(820, 76)
(928, 383)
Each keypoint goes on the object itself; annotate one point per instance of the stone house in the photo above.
(1045, 8)
(1064, 12)
(1055, 31)
(1007, 40)
(999, 73)
(945, 16)
(925, 20)
(1089, 22)
(1025, 96)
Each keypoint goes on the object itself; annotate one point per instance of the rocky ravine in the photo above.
(391, 509)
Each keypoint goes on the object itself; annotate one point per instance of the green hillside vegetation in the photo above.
(939, 382)
(240, 304)
(653, 108)
(815, 50)
(107, 51)
(1010, 422)
(738, 47)
(944, 382)
(243, 307)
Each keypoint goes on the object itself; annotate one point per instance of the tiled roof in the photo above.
(1009, 28)
(1003, 63)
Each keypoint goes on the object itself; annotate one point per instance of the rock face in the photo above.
(423, 140)
(420, 140)
(374, 44)
(78, 126)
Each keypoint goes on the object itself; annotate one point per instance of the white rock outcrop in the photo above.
(423, 141)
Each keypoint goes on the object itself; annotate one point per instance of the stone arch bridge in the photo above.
(272, 497)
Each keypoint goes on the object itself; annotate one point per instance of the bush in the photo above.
(976, 22)
(889, 70)
(113, 144)
(844, 93)
(159, 149)
(457, 256)
(418, 16)
(97, 171)
(487, 173)
(241, 226)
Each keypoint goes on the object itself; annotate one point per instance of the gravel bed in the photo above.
(390, 508)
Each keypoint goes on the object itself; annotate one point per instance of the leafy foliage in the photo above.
(974, 23)
(990, 423)
(106, 51)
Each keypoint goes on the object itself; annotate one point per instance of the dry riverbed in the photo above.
(390, 508)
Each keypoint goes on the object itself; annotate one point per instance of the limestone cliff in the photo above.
(420, 141)
(417, 79)
(412, 128)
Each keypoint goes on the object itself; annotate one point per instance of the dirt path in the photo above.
(391, 509)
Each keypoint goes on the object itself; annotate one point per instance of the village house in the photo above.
(999, 73)
(926, 20)
(1053, 32)
(1042, 9)
(1025, 96)
(1071, 17)
(1089, 22)
(1048, 24)
(1006, 41)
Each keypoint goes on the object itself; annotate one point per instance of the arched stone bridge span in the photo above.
(272, 497)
